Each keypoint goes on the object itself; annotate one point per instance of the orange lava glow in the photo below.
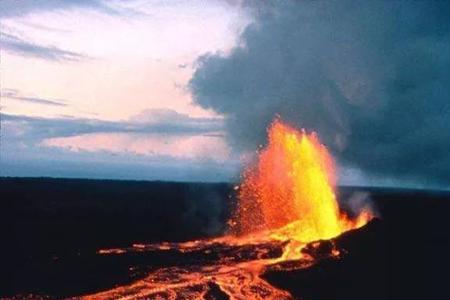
(290, 191)
(287, 205)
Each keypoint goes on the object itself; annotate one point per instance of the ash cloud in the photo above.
(372, 78)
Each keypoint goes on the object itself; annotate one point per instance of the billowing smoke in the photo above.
(371, 77)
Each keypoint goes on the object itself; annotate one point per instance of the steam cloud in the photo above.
(372, 78)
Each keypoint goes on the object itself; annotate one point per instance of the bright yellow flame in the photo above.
(290, 191)
(287, 196)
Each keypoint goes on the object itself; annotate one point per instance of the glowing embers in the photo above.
(289, 192)
(287, 207)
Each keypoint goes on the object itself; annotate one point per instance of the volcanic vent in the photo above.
(287, 204)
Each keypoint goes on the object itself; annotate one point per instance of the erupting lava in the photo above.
(289, 193)
(286, 200)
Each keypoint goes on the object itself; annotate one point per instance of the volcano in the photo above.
(287, 236)
(287, 204)
(223, 268)
(68, 239)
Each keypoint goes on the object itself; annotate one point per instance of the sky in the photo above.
(98, 89)
(184, 90)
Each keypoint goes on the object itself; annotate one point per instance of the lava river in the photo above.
(286, 216)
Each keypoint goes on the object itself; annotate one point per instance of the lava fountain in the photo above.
(290, 192)
(287, 205)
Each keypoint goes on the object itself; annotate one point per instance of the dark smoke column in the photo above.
(371, 78)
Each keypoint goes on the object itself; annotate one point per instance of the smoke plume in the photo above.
(372, 78)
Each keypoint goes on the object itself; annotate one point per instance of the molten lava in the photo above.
(287, 204)
(290, 190)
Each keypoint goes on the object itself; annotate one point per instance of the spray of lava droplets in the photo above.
(287, 202)
(290, 192)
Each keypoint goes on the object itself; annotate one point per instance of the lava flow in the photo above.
(287, 207)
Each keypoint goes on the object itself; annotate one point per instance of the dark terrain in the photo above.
(52, 228)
